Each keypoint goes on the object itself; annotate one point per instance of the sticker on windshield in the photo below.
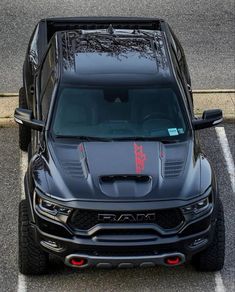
(173, 132)
(181, 131)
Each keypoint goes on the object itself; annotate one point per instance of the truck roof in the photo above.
(114, 56)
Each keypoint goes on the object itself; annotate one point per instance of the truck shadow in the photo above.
(137, 279)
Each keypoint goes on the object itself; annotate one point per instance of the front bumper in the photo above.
(125, 261)
(141, 251)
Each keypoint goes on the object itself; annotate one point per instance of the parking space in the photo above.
(61, 278)
(9, 197)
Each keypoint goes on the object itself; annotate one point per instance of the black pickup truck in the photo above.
(116, 176)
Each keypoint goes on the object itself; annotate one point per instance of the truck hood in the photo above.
(120, 171)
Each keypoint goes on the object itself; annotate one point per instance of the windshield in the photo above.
(119, 113)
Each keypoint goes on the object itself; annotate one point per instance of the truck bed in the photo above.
(53, 25)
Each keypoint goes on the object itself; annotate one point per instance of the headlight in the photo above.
(197, 207)
(50, 209)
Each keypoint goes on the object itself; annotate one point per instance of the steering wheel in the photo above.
(154, 116)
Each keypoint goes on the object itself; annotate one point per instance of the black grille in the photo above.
(85, 219)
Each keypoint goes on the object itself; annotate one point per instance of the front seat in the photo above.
(76, 112)
(154, 112)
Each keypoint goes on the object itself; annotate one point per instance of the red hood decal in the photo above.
(140, 158)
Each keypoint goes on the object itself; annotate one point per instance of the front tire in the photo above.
(212, 259)
(32, 260)
(24, 132)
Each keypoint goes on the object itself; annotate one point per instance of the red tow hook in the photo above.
(172, 261)
(78, 262)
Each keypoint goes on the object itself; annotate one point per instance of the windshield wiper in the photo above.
(141, 138)
(84, 138)
(131, 138)
(168, 141)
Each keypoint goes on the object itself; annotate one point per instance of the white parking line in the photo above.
(227, 154)
(219, 285)
(22, 284)
(23, 168)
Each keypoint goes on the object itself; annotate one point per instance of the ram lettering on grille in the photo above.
(126, 217)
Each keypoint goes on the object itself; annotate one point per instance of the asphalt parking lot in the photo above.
(205, 29)
(61, 278)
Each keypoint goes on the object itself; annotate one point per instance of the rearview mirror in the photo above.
(25, 117)
(209, 118)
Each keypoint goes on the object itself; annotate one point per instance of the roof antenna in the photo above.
(110, 29)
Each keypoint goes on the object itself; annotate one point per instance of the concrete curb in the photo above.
(203, 99)
(8, 94)
(214, 91)
(7, 123)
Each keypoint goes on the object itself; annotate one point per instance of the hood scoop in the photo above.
(125, 186)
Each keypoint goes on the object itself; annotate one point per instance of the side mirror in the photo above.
(25, 117)
(209, 118)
